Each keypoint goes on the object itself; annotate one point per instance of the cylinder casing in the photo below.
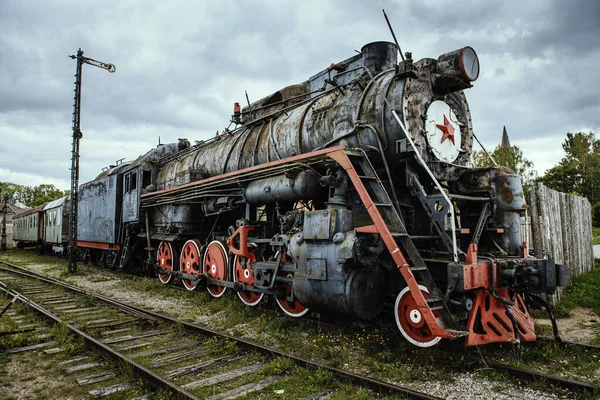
(282, 188)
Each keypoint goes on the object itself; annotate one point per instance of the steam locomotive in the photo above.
(336, 194)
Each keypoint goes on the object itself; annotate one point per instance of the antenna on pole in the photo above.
(77, 135)
(248, 101)
(484, 150)
(393, 34)
(4, 211)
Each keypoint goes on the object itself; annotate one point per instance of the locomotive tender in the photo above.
(336, 194)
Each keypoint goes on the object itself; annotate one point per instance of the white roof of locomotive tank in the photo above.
(56, 203)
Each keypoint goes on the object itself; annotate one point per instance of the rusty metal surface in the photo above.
(56, 221)
(27, 225)
(131, 201)
(99, 210)
(504, 187)
(364, 142)
(350, 111)
(283, 188)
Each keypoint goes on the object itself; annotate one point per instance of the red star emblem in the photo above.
(448, 130)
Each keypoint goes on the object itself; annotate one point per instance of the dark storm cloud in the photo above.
(566, 28)
(181, 65)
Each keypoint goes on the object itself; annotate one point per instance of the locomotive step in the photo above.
(457, 333)
(433, 299)
(399, 234)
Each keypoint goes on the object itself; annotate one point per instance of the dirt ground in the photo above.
(579, 327)
(582, 326)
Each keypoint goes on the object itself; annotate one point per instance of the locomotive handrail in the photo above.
(437, 183)
(296, 161)
(423, 164)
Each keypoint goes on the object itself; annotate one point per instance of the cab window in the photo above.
(133, 181)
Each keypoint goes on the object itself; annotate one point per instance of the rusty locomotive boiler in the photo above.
(340, 194)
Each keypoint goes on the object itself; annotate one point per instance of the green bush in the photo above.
(596, 214)
(596, 235)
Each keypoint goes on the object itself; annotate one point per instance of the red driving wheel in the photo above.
(215, 266)
(190, 262)
(245, 275)
(291, 308)
(410, 321)
(166, 260)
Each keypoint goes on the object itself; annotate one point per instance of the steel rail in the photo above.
(517, 373)
(371, 383)
(565, 343)
(526, 375)
(116, 357)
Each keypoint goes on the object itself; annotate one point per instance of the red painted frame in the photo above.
(99, 245)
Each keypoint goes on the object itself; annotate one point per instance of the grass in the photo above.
(374, 350)
(582, 292)
(596, 234)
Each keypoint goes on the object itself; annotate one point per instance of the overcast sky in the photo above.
(182, 64)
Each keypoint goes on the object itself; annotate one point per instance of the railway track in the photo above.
(520, 374)
(165, 352)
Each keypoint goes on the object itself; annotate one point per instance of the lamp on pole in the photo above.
(4, 211)
(77, 135)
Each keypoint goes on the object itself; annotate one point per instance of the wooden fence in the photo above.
(562, 228)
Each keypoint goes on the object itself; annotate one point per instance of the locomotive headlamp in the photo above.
(469, 63)
(462, 63)
(456, 70)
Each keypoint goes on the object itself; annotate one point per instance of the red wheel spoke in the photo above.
(165, 261)
(410, 321)
(291, 308)
(188, 265)
(245, 274)
(215, 264)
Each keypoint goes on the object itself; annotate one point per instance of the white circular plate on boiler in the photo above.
(443, 131)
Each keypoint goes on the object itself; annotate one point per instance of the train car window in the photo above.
(126, 184)
(146, 178)
(58, 215)
(133, 181)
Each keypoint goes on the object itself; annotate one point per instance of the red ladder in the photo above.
(389, 225)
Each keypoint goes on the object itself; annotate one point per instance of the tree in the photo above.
(12, 191)
(30, 195)
(511, 157)
(578, 172)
